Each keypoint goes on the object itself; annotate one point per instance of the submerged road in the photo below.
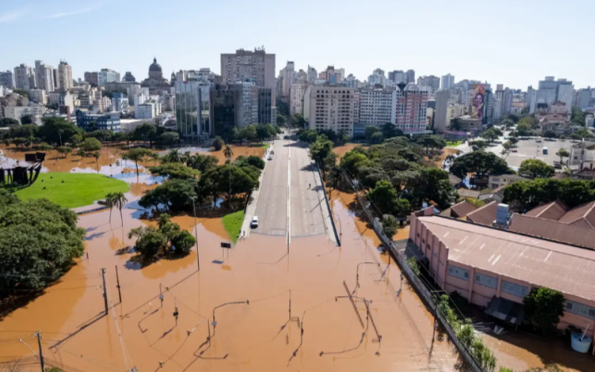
(291, 200)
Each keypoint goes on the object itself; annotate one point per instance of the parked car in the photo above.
(254, 223)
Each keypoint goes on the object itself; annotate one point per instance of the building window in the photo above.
(485, 280)
(579, 309)
(458, 272)
(514, 289)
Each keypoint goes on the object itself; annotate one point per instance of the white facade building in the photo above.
(331, 108)
(312, 74)
(288, 78)
(107, 75)
(44, 76)
(296, 98)
(64, 76)
(448, 81)
(145, 111)
(377, 78)
(377, 106)
(38, 96)
(24, 77)
(565, 93)
(441, 112)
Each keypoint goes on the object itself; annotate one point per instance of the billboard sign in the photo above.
(478, 100)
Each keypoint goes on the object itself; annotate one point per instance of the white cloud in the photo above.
(68, 14)
(13, 15)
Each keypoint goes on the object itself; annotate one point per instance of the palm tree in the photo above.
(228, 153)
(96, 155)
(119, 200)
(109, 202)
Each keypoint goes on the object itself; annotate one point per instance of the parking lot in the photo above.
(532, 149)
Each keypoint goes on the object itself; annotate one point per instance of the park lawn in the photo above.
(233, 224)
(453, 143)
(78, 189)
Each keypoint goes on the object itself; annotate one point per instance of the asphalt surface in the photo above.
(290, 170)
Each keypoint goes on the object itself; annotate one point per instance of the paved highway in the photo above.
(289, 195)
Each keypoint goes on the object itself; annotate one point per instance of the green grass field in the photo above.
(233, 224)
(453, 143)
(265, 146)
(78, 189)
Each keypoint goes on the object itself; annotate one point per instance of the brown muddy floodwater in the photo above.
(254, 299)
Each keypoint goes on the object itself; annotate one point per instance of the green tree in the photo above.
(384, 197)
(490, 135)
(81, 153)
(136, 155)
(145, 132)
(535, 168)
(523, 129)
(581, 133)
(456, 124)
(183, 242)
(320, 149)
(481, 163)
(45, 147)
(256, 161)
(91, 144)
(543, 308)
(248, 133)
(218, 143)
(390, 130)
(6, 122)
(228, 153)
(299, 121)
(57, 130)
(549, 134)
(174, 170)
(202, 163)
(562, 153)
(150, 241)
(389, 225)
(175, 194)
(281, 119)
(64, 150)
(478, 145)
(513, 141)
(26, 119)
(169, 138)
(431, 142)
(507, 123)
(38, 243)
(370, 131)
(308, 135)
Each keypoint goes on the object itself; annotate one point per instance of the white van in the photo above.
(254, 223)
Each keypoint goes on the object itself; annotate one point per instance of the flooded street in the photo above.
(256, 298)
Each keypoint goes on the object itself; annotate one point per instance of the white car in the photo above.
(270, 157)
(254, 223)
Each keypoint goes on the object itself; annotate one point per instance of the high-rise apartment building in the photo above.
(583, 99)
(448, 81)
(431, 82)
(64, 76)
(244, 65)
(548, 90)
(441, 110)
(312, 74)
(92, 78)
(331, 108)
(24, 77)
(296, 98)
(397, 76)
(377, 78)
(410, 74)
(44, 76)
(565, 93)
(377, 106)
(107, 75)
(502, 105)
(7, 79)
(412, 105)
(288, 78)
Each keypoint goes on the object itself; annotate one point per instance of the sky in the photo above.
(510, 42)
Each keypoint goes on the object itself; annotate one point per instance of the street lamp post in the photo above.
(357, 271)
(195, 231)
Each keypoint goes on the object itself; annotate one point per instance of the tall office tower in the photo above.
(448, 81)
(256, 66)
(64, 76)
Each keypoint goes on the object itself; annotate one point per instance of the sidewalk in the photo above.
(326, 213)
(251, 209)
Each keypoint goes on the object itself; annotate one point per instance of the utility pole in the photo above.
(40, 351)
(104, 291)
(118, 282)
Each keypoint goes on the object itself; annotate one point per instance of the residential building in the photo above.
(64, 76)
(494, 268)
(301, 76)
(312, 74)
(410, 74)
(331, 108)
(377, 78)
(412, 102)
(397, 76)
(548, 91)
(119, 102)
(288, 76)
(377, 106)
(92, 78)
(108, 121)
(565, 93)
(107, 75)
(495, 182)
(531, 99)
(257, 66)
(17, 112)
(589, 121)
(296, 98)
(247, 103)
(7, 79)
(448, 81)
(584, 97)
(145, 111)
(44, 76)
(66, 103)
(502, 103)
(430, 82)
(38, 96)
(351, 82)
(441, 118)
(24, 77)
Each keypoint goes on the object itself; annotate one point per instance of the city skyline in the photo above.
(493, 52)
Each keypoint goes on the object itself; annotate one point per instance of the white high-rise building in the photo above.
(296, 98)
(502, 103)
(565, 93)
(44, 76)
(441, 112)
(288, 78)
(24, 77)
(448, 81)
(107, 75)
(331, 108)
(377, 78)
(64, 76)
(377, 106)
(547, 92)
(38, 96)
(431, 82)
(244, 65)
